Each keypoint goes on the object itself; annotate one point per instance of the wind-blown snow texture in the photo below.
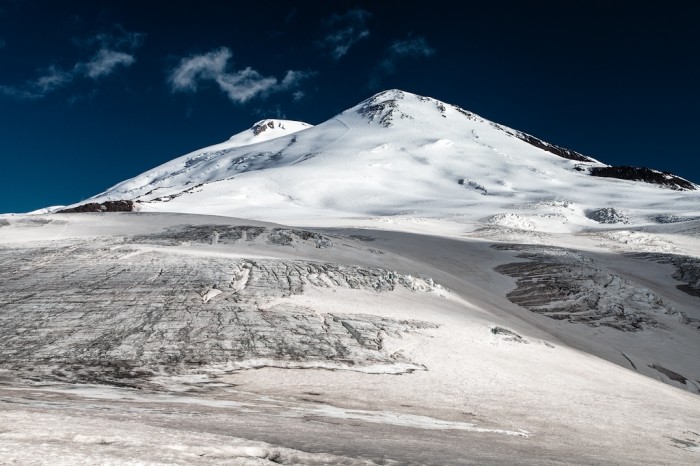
(399, 154)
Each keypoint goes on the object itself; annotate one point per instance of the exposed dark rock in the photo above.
(671, 218)
(473, 185)
(687, 270)
(508, 335)
(608, 215)
(551, 148)
(647, 175)
(565, 285)
(383, 108)
(263, 126)
(108, 206)
(676, 377)
(546, 146)
(634, 366)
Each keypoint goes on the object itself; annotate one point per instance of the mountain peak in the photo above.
(267, 129)
(394, 152)
(392, 94)
(383, 108)
(273, 125)
(387, 107)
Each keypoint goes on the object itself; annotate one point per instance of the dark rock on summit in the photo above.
(647, 175)
(552, 149)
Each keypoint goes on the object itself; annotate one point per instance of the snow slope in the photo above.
(190, 339)
(401, 155)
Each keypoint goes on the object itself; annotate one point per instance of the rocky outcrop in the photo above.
(565, 285)
(551, 148)
(687, 269)
(646, 175)
(109, 206)
(383, 108)
(608, 215)
(263, 126)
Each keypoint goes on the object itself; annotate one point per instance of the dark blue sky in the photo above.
(92, 93)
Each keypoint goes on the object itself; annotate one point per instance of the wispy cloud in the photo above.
(52, 79)
(195, 68)
(245, 84)
(115, 50)
(239, 85)
(344, 31)
(2, 43)
(412, 47)
(105, 62)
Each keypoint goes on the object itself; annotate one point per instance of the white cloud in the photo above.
(104, 62)
(344, 31)
(411, 47)
(199, 67)
(245, 84)
(240, 86)
(52, 79)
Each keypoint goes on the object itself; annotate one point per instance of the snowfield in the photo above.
(405, 283)
(186, 339)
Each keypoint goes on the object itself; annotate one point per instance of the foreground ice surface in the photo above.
(181, 339)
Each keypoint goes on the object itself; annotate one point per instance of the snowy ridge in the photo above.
(398, 154)
(194, 165)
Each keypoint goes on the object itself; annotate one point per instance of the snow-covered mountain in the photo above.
(459, 292)
(400, 154)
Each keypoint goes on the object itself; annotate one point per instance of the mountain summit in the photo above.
(264, 130)
(401, 154)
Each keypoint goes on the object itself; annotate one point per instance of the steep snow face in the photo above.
(398, 154)
(201, 165)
